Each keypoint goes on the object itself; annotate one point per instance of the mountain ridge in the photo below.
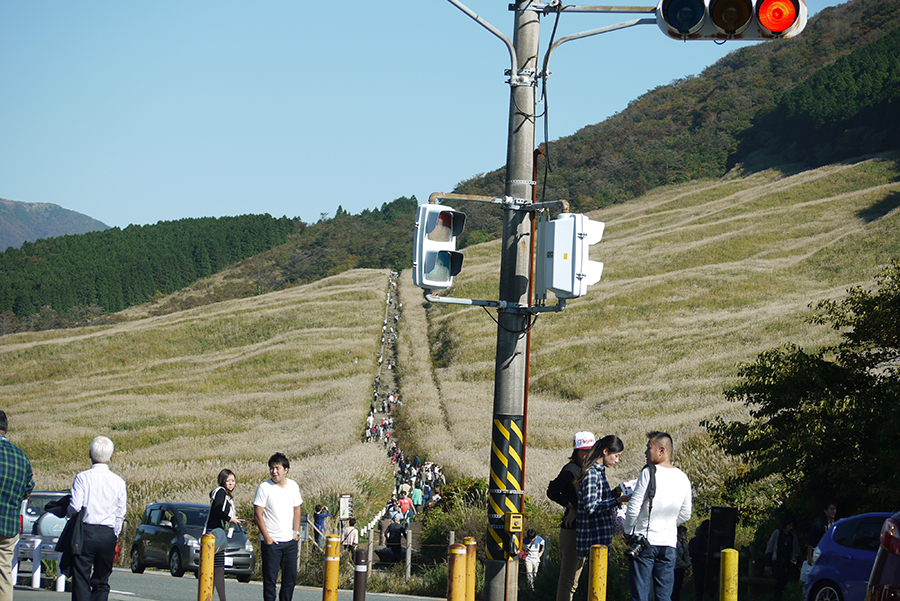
(22, 222)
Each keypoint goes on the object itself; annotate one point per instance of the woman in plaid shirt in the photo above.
(596, 502)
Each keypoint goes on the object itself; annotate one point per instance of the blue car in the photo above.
(842, 562)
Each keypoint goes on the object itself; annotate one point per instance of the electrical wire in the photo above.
(532, 319)
(547, 166)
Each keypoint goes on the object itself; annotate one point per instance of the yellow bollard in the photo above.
(597, 580)
(205, 573)
(456, 578)
(728, 575)
(332, 567)
(471, 549)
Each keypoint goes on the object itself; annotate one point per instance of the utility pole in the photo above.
(506, 481)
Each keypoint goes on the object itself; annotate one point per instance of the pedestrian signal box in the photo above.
(562, 264)
(435, 260)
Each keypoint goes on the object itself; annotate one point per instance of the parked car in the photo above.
(33, 511)
(843, 559)
(169, 536)
(35, 522)
(884, 582)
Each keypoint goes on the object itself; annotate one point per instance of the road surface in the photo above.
(160, 586)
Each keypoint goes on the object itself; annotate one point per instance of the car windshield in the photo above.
(193, 517)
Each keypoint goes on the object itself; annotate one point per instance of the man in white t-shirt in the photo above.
(276, 508)
(655, 514)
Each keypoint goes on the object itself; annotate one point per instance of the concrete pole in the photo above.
(506, 480)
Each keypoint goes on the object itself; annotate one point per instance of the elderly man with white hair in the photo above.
(101, 495)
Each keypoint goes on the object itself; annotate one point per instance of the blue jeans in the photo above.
(275, 557)
(654, 567)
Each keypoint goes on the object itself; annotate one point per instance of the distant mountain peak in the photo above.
(29, 221)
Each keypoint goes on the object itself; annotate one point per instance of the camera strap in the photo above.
(649, 493)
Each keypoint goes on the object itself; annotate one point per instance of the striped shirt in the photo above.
(596, 511)
(16, 483)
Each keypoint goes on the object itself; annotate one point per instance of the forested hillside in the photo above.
(71, 280)
(735, 111)
(113, 269)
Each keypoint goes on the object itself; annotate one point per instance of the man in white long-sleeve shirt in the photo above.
(657, 517)
(102, 495)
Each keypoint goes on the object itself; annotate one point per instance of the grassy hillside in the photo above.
(698, 277)
(227, 385)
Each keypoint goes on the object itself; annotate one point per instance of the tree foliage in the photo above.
(823, 424)
(115, 268)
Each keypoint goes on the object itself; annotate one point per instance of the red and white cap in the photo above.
(584, 440)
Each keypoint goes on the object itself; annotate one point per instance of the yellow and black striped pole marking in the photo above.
(507, 479)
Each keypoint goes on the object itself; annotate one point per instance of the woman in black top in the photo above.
(222, 515)
(562, 490)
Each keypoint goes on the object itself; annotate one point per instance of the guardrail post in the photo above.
(456, 573)
(360, 574)
(728, 575)
(371, 550)
(36, 563)
(60, 580)
(471, 548)
(205, 573)
(409, 549)
(332, 567)
(599, 563)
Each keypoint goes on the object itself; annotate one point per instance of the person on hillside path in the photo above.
(534, 545)
(319, 524)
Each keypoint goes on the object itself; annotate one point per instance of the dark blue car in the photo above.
(843, 559)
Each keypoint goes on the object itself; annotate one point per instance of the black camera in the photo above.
(637, 543)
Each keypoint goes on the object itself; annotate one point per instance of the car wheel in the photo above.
(243, 578)
(827, 591)
(136, 565)
(175, 567)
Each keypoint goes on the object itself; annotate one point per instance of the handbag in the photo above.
(523, 552)
(221, 538)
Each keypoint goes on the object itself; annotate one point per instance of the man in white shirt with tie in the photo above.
(101, 494)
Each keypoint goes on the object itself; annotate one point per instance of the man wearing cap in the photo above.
(562, 490)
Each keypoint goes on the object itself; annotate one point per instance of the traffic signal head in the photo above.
(562, 264)
(731, 19)
(435, 260)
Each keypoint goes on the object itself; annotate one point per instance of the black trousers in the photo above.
(91, 568)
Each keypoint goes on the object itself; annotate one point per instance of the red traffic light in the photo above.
(731, 19)
(777, 15)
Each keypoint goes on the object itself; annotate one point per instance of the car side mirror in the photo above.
(165, 524)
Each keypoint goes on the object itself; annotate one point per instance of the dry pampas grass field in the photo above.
(187, 394)
(698, 278)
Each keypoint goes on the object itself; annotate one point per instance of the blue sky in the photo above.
(139, 111)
